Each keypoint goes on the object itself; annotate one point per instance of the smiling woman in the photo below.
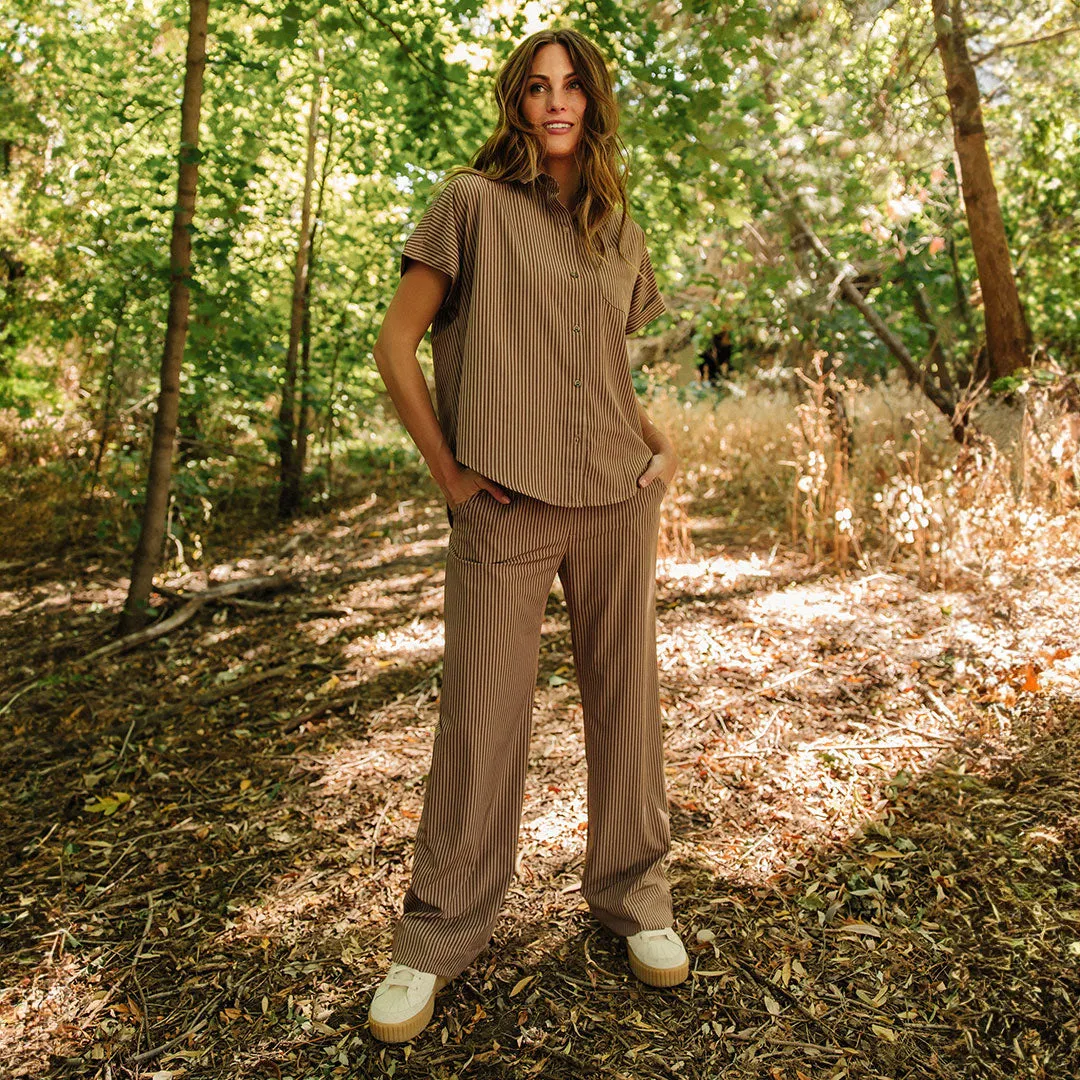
(530, 271)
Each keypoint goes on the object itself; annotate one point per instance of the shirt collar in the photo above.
(547, 183)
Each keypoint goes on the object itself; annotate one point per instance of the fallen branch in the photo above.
(140, 637)
(790, 750)
(188, 612)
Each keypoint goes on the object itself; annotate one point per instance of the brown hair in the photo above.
(515, 152)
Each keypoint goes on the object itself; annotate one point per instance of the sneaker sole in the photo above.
(404, 1030)
(658, 976)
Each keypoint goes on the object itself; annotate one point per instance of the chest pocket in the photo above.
(616, 281)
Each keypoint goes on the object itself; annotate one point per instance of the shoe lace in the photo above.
(648, 935)
(402, 976)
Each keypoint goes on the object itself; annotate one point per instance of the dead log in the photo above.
(194, 601)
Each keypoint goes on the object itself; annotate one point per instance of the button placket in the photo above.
(577, 346)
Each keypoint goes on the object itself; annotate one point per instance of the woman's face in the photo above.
(555, 101)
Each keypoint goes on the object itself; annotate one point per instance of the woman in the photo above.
(530, 280)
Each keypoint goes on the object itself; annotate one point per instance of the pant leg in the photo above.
(609, 580)
(500, 566)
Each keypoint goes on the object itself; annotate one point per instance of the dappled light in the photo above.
(799, 711)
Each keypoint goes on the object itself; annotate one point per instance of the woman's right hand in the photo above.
(467, 483)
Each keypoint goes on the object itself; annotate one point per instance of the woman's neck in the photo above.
(567, 176)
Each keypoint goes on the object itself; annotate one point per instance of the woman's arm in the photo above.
(664, 462)
(412, 310)
(657, 440)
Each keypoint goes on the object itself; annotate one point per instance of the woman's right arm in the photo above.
(412, 310)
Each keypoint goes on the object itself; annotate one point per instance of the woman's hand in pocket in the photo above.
(663, 465)
(467, 483)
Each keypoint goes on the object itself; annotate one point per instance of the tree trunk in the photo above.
(152, 532)
(299, 458)
(341, 329)
(1008, 337)
(289, 491)
(306, 414)
(110, 384)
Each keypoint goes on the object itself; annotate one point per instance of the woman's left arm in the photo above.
(664, 462)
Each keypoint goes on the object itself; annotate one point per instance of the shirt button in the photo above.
(573, 273)
(577, 382)
(577, 329)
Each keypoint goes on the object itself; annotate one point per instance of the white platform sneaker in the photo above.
(403, 1002)
(657, 957)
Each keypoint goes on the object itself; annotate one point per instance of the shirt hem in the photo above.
(525, 487)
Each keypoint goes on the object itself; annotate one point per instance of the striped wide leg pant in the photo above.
(500, 567)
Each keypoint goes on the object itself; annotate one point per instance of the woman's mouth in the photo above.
(557, 127)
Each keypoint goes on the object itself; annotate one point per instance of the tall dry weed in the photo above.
(855, 473)
(1014, 497)
(822, 512)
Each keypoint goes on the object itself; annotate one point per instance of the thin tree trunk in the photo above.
(107, 406)
(296, 473)
(332, 389)
(304, 423)
(940, 365)
(1008, 337)
(152, 532)
(328, 419)
(288, 495)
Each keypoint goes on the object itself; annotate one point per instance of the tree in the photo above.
(1008, 338)
(290, 452)
(152, 531)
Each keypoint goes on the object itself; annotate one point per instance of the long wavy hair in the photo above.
(515, 152)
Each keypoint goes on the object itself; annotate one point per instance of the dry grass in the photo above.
(745, 451)
(772, 464)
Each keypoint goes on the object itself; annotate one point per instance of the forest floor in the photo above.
(874, 795)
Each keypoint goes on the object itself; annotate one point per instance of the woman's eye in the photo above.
(540, 86)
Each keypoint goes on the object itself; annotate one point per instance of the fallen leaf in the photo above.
(1031, 680)
(861, 928)
(108, 804)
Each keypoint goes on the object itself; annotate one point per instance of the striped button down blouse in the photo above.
(532, 378)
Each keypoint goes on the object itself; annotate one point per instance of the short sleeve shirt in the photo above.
(532, 378)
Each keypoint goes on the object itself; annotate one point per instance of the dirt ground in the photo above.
(873, 795)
